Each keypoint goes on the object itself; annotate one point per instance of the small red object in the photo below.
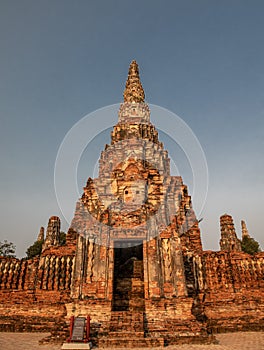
(71, 328)
(88, 323)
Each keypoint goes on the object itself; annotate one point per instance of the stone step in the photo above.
(126, 304)
(132, 341)
(128, 284)
(129, 297)
(122, 326)
(126, 328)
(127, 315)
(126, 321)
(125, 334)
(76, 346)
(121, 306)
(126, 325)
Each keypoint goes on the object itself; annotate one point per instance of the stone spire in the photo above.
(41, 235)
(133, 91)
(244, 229)
(229, 241)
(52, 233)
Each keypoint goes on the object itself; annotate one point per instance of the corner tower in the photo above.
(229, 241)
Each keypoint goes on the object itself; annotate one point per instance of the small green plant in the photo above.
(34, 250)
(249, 245)
(62, 238)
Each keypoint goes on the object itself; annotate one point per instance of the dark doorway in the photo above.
(128, 267)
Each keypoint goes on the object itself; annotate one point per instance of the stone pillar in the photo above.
(78, 270)
(152, 277)
(229, 241)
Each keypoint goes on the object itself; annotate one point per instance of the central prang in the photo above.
(134, 223)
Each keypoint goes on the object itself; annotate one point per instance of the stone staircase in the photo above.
(129, 289)
(127, 326)
(127, 330)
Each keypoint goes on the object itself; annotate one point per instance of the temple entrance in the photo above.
(128, 289)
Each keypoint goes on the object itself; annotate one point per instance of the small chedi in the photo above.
(133, 258)
(229, 240)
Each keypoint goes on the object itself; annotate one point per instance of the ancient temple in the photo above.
(133, 258)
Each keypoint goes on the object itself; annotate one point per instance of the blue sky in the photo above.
(61, 60)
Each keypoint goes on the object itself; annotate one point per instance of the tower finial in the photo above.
(134, 91)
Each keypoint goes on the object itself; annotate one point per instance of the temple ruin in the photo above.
(133, 258)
